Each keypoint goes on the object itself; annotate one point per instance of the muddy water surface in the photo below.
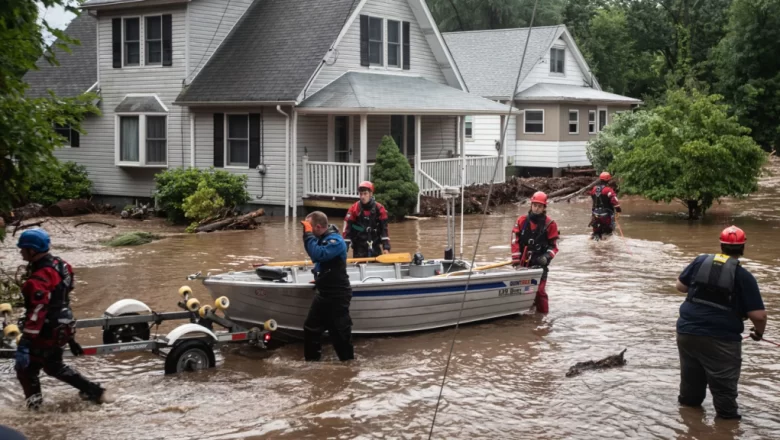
(506, 377)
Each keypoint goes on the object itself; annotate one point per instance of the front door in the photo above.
(341, 151)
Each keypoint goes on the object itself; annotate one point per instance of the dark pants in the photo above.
(602, 224)
(361, 249)
(329, 313)
(50, 360)
(706, 361)
(540, 301)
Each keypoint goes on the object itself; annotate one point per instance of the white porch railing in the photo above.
(429, 186)
(330, 179)
(479, 170)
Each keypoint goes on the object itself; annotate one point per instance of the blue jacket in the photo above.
(329, 254)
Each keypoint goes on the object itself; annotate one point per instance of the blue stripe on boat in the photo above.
(423, 290)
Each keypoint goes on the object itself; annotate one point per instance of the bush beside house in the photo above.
(62, 181)
(175, 186)
(393, 180)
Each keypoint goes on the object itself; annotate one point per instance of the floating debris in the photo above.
(616, 360)
(136, 238)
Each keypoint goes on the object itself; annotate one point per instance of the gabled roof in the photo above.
(271, 53)
(77, 71)
(570, 93)
(489, 60)
(382, 93)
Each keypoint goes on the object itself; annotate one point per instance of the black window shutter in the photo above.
(364, 40)
(254, 140)
(75, 141)
(219, 140)
(167, 37)
(116, 41)
(407, 58)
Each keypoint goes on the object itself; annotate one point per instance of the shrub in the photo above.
(202, 204)
(393, 180)
(132, 239)
(64, 180)
(175, 185)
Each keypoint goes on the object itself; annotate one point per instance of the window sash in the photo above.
(557, 57)
(574, 124)
(153, 43)
(237, 153)
(132, 41)
(64, 131)
(602, 119)
(393, 43)
(468, 127)
(534, 121)
(375, 41)
(591, 121)
(156, 140)
(129, 139)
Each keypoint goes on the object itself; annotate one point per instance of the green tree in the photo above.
(202, 204)
(66, 180)
(748, 67)
(690, 150)
(393, 180)
(174, 186)
(29, 139)
(618, 137)
(468, 15)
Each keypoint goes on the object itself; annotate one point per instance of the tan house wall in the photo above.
(551, 122)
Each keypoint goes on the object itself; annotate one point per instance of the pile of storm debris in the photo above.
(514, 190)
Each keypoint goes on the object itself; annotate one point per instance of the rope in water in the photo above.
(484, 217)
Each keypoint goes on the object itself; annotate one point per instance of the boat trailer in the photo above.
(127, 327)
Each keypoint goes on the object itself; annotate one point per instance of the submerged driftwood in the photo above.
(246, 221)
(616, 360)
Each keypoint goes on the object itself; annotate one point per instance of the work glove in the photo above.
(75, 348)
(542, 261)
(307, 229)
(754, 335)
(22, 355)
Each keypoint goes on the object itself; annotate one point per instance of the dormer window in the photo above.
(378, 51)
(156, 35)
(557, 56)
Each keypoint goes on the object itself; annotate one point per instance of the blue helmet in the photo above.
(35, 239)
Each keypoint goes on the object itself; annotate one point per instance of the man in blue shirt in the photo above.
(721, 295)
(330, 308)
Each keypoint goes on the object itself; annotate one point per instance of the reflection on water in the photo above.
(506, 378)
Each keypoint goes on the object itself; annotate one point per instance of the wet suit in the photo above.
(47, 328)
(365, 229)
(534, 243)
(330, 308)
(605, 205)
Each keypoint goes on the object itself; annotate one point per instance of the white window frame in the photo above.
(383, 56)
(145, 40)
(595, 122)
(525, 122)
(141, 135)
(400, 65)
(146, 136)
(598, 117)
(576, 122)
(563, 51)
(141, 35)
(70, 137)
(227, 142)
(468, 119)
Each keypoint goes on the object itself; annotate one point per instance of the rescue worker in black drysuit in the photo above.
(330, 308)
(365, 225)
(48, 322)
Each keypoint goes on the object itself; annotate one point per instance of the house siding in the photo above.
(573, 74)
(530, 153)
(422, 62)
(210, 22)
(583, 125)
(551, 122)
(439, 137)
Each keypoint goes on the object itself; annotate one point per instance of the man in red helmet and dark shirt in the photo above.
(534, 243)
(721, 294)
(365, 226)
(605, 205)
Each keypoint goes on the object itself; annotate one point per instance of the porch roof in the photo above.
(570, 93)
(376, 93)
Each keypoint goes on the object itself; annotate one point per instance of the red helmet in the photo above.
(539, 197)
(605, 176)
(733, 235)
(367, 185)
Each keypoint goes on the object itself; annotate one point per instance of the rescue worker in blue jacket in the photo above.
(721, 294)
(47, 324)
(330, 308)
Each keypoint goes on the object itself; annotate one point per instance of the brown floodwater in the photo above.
(506, 378)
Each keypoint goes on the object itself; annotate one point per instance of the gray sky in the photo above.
(57, 17)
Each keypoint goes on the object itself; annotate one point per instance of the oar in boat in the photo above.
(384, 259)
(486, 267)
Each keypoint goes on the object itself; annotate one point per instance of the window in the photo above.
(128, 139)
(393, 43)
(469, 127)
(132, 42)
(71, 135)
(574, 121)
(153, 46)
(156, 142)
(375, 41)
(556, 60)
(238, 140)
(592, 121)
(534, 121)
(602, 118)
(397, 130)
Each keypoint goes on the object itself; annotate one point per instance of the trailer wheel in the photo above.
(189, 355)
(126, 332)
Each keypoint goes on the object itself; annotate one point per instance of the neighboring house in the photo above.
(561, 101)
(295, 94)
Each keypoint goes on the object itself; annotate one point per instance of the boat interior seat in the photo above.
(270, 273)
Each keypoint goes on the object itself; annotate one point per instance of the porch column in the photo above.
(295, 162)
(462, 149)
(363, 147)
(417, 153)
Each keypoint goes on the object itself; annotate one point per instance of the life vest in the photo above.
(601, 201)
(537, 240)
(331, 276)
(59, 304)
(367, 225)
(714, 282)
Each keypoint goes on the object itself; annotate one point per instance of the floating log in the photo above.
(20, 227)
(31, 210)
(616, 360)
(245, 221)
(574, 194)
(94, 222)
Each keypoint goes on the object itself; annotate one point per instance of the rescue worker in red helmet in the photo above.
(721, 294)
(365, 226)
(48, 322)
(535, 243)
(605, 205)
